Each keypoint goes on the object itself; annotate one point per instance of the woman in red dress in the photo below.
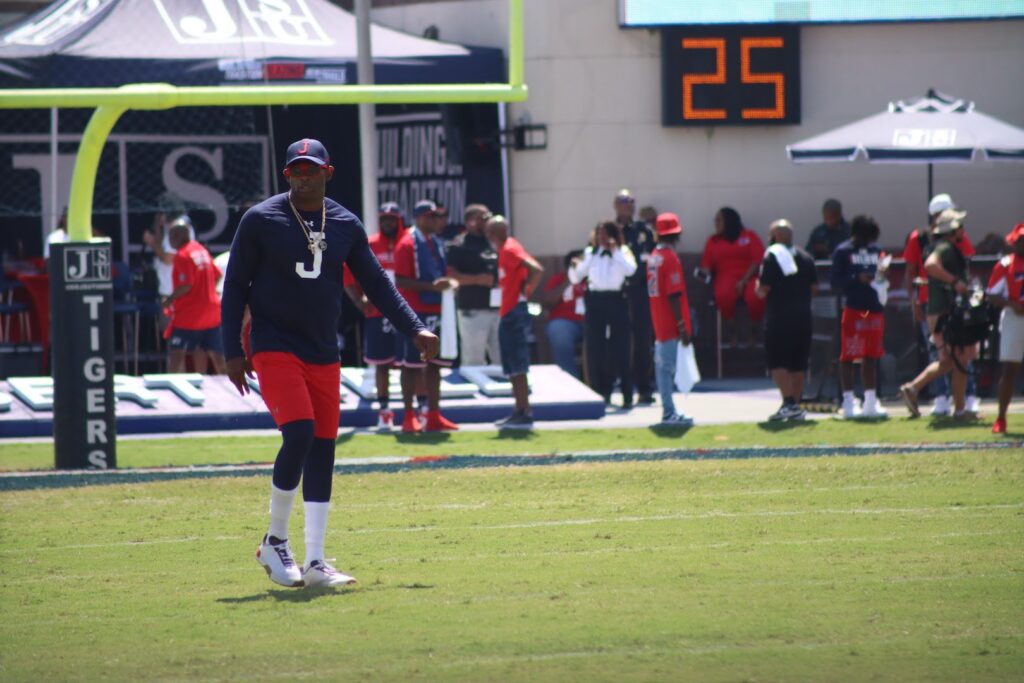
(731, 257)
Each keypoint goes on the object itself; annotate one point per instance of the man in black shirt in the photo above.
(472, 262)
(830, 233)
(638, 236)
(788, 281)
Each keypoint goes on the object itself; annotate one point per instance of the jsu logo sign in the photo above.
(87, 264)
(59, 20)
(217, 21)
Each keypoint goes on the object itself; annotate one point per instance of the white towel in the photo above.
(784, 257)
(449, 332)
(687, 372)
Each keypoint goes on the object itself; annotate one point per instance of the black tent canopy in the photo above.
(80, 43)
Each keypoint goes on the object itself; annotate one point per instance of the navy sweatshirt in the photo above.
(295, 307)
(848, 262)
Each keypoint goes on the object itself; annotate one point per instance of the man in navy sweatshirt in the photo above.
(286, 267)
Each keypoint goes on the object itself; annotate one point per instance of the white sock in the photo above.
(280, 510)
(847, 396)
(870, 397)
(316, 530)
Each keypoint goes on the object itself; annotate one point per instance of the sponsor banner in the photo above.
(445, 154)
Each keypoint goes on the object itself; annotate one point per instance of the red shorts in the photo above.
(296, 390)
(862, 335)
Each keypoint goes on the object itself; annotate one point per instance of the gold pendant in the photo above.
(312, 246)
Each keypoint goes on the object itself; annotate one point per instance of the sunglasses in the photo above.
(302, 170)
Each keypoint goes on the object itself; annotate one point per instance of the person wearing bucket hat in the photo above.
(670, 313)
(947, 273)
(1006, 289)
(919, 244)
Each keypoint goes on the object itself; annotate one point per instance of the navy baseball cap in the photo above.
(390, 209)
(424, 206)
(309, 150)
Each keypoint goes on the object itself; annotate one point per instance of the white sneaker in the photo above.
(385, 420)
(319, 573)
(874, 409)
(972, 404)
(940, 408)
(677, 420)
(851, 411)
(279, 563)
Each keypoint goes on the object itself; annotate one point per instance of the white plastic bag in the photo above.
(687, 372)
(449, 331)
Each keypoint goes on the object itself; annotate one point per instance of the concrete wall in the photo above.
(597, 87)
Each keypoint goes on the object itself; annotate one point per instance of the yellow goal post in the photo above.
(111, 103)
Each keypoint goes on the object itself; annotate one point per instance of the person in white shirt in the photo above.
(158, 239)
(605, 266)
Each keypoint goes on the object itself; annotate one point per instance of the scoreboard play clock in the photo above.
(730, 75)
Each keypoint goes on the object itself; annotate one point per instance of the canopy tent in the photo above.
(80, 43)
(927, 130)
(222, 157)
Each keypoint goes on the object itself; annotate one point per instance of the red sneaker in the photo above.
(411, 423)
(999, 426)
(436, 422)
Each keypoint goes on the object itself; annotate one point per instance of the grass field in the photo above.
(243, 449)
(894, 568)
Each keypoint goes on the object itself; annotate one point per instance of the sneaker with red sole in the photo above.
(999, 426)
(411, 423)
(436, 422)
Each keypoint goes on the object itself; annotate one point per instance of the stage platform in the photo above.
(190, 402)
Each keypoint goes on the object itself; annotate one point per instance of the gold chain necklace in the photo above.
(316, 240)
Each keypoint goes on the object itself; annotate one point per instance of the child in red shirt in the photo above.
(670, 313)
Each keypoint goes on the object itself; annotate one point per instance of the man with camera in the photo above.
(946, 268)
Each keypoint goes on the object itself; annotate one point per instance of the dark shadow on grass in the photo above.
(669, 431)
(787, 425)
(294, 595)
(940, 423)
(515, 434)
(344, 437)
(424, 439)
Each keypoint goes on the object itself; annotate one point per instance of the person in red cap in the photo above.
(379, 340)
(670, 313)
(1006, 289)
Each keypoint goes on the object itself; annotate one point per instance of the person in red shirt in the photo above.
(195, 325)
(731, 258)
(670, 313)
(379, 339)
(421, 273)
(518, 275)
(1006, 289)
(564, 328)
(919, 245)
